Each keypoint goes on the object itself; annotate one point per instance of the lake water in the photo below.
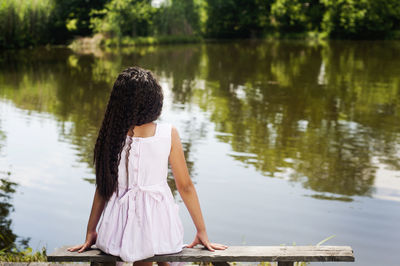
(288, 143)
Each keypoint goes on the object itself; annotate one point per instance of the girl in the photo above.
(139, 215)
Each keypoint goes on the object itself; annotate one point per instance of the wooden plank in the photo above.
(262, 253)
(232, 253)
(92, 255)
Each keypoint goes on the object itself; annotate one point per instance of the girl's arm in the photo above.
(95, 213)
(188, 192)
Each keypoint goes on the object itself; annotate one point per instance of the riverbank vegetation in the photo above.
(27, 23)
(24, 255)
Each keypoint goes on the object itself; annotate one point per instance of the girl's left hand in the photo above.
(202, 238)
(90, 240)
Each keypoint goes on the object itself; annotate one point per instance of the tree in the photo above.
(296, 15)
(125, 18)
(72, 17)
(178, 17)
(366, 19)
(236, 18)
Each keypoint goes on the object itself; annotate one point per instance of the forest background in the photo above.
(26, 23)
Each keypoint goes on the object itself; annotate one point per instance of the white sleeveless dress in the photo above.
(143, 220)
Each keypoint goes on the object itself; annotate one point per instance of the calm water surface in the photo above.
(288, 143)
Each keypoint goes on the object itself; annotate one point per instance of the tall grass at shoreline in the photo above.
(23, 255)
(25, 23)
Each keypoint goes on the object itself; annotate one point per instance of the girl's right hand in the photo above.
(90, 240)
(202, 238)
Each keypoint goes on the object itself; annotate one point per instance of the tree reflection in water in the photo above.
(8, 240)
(315, 113)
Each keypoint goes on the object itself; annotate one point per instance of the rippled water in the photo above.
(287, 142)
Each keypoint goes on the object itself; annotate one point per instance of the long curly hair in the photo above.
(136, 99)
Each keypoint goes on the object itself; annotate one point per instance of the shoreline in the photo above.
(100, 41)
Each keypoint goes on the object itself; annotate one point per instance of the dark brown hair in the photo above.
(136, 98)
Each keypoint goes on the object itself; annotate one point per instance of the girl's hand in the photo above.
(90, 240)
(202, 238)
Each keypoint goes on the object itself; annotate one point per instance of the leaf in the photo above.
(326, 239)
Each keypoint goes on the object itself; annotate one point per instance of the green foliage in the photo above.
(296, 15)
(25, 22)
(289, 14)
(137, 22)
(368, 19)
(344, 17)
(178, 17)
(237, 18)
(125, 18)
(72, 17)
(36, 22)
(23, 255)
(361, 19)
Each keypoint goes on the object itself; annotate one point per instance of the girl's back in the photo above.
(143, 219)
(145, 159)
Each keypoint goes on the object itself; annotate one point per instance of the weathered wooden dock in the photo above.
(284, 255)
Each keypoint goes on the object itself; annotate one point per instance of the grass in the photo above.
(24, 255)
(25, 23)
